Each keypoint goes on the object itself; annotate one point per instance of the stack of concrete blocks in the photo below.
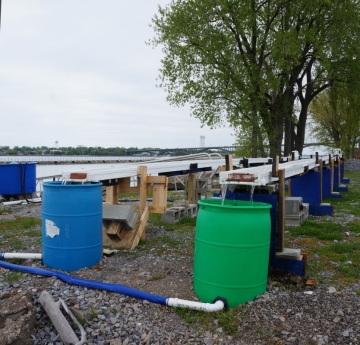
(296, 212)
(174, 214)
(203, 187)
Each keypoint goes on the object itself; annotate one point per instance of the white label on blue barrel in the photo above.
(51, 229)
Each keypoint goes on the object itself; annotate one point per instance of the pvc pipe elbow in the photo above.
(209, 307)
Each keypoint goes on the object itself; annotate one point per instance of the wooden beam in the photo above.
(229, 162)
(281, 212)
(142, 183)
(191, 188)
(159, 198)
(111, 195)
(275, 167)
(140, 232)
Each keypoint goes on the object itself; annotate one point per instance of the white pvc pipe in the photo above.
(210, 307)
(16, 202)
(21, 256)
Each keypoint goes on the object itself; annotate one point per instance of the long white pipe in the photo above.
(21, 256)
(210, 307)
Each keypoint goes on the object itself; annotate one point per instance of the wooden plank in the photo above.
(320, 162)
(140, 233)
(114, 228)
(157, 209)
(157, 179)
(111, 195)
(124, 186)
(281, 212)
(142, 174)
(191, 188)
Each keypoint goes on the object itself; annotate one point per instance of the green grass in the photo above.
(325, 230)
(12, 277)
(18, 233)
(326, 242)
(5, 211)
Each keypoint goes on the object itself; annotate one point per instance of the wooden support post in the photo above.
(339, 172)
(316, 158)
(289, 180)
(320, 162)
(142, 175)
(275, 166)
(112, 195)
(159, 197)
(281, 212)
(191, 188)
(229, 162)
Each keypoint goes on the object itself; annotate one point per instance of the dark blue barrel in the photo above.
(18, 178)
(71, 225)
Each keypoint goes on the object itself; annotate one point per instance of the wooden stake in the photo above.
(281, 212)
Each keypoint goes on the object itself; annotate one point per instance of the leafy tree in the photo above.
(336, 119)
(247, 62)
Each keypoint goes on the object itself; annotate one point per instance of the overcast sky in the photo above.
(79, 72)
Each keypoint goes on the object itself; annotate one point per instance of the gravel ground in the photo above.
(288, 313)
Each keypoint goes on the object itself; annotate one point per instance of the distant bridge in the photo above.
(182, 151)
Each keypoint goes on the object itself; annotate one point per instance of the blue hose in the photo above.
(87, 283)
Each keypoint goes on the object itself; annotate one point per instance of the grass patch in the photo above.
(4, 211)
(354, 226)
(326, 231)
(185, 223)
(157, 277)
(227, 320)
(18, 233)
(12, 277)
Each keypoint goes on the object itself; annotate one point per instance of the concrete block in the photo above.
(295, 219)
(306, 208)
(121, 213)
(289, 253)
(191, 210)
(293, 205)
(171, 216)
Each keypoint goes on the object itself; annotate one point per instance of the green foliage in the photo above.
(244, 62)
(335, 118)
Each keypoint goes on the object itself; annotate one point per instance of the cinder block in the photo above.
(171, 216)
(191, 211)
(295, 219)
(121, 213)
(306, 208)
(289, 253)
(293, 205)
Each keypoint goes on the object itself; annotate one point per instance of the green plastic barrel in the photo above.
(232, 244)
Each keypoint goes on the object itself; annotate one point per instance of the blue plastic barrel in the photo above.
(71, 225)
(18, 178)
